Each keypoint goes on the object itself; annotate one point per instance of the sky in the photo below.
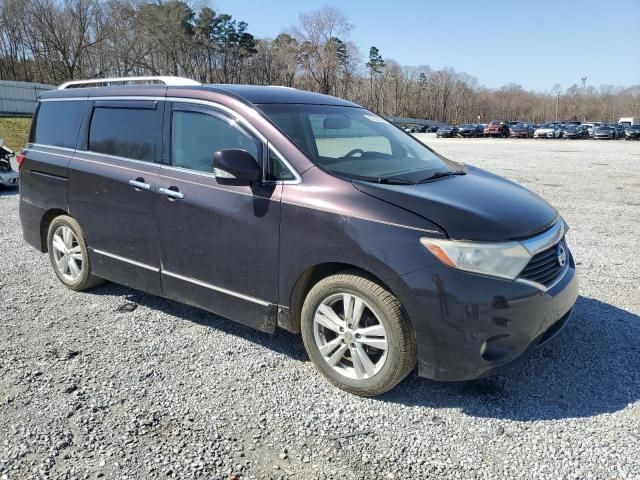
(536, 44)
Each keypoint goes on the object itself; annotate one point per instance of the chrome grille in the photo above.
(545, 267)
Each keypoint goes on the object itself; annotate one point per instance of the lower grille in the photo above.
(545, 267)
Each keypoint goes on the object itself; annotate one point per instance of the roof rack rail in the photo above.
(98, 82)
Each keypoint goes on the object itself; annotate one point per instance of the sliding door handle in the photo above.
(171, 192)
(140, 184)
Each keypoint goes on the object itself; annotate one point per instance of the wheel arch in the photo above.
(46, 220)
(308, 279)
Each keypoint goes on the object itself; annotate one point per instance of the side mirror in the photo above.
(236, 167)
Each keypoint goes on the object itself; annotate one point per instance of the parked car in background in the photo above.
(470, 130)
(432, 129)
(521, 130)
(562, 126)
(590, 126)
(547, 130)
(447, 131)
(8, 177)
(632, 132)
(576, 131)
(497, 129)
(619, 129)
(605, 132)
(384, 260)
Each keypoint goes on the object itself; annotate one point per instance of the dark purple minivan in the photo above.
(277, 207)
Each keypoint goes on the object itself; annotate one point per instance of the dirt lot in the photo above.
(168, 390)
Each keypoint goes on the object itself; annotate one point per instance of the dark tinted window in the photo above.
(57, 123)
(196, 136)
(125, 132)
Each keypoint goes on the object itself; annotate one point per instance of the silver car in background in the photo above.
(8, 177)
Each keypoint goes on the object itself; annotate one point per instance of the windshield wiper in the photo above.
(393, 181)
(442, 174)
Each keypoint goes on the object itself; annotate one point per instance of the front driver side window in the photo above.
(196, 136)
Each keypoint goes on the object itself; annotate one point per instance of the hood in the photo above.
(477, 206)
(545, 130)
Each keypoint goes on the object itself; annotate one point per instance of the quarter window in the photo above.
(125, 132)
(196, 136)
(276, 169)
(57, 123)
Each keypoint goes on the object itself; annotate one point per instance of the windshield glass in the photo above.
(355, 143)
(548, 125)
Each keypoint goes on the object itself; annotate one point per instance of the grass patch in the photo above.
(14, 131)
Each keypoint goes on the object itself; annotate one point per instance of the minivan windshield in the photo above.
(354, 143)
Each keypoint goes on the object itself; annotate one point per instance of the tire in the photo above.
(380, 308)
(77, 278)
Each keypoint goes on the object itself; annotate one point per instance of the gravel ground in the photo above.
(168, 390)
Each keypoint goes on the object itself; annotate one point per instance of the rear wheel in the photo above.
(68, 254)
(357, 334)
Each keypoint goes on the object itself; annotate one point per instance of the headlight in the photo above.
(503, 259)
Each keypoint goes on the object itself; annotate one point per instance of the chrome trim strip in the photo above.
(126, 260)
(106, 164)
(364, 218)
(202, 174)
(128, 97)
(65, 99)
(264, 303)
(47, 153)
(538, 243)
(125, 159)
(42, 145)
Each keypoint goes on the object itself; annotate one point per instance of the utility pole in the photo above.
(583, 88)
(557, 104)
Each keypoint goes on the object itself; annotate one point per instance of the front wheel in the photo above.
(357, 334)
(68, 254)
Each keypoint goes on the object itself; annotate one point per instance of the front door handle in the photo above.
(139, 184)
(171, 192)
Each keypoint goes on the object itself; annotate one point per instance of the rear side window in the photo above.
(125, 132)
(57, 123)
(196, 136)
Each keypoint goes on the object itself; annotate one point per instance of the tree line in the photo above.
(52, 41)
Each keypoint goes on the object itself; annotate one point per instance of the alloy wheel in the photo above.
(67, 253)
(350, 336)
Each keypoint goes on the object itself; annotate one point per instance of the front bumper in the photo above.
(469, 326)
(544, 135)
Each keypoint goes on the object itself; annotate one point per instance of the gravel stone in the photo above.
(168, 390)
